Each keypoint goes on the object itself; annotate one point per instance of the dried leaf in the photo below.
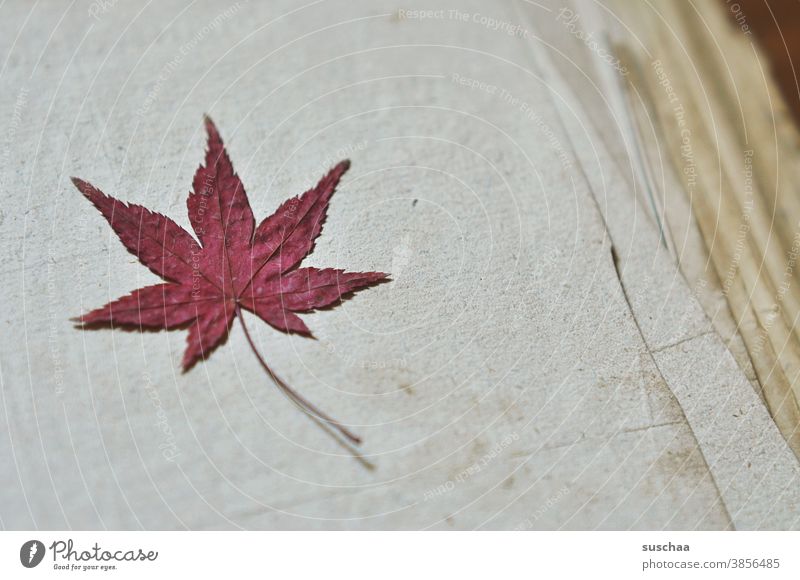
(235, 265)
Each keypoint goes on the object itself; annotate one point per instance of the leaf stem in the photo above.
(308, 407)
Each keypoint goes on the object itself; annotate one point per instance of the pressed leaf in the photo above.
(234, 266)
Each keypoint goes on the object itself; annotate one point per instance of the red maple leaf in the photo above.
(235, 265)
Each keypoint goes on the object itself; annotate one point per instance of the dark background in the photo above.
(776, 25)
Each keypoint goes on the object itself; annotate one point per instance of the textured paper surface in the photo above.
(507, 378)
